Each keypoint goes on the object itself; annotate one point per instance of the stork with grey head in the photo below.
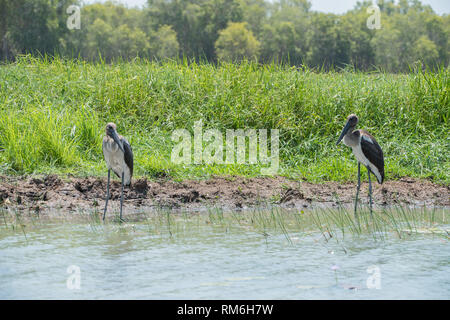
(366, 150)
(119, 158)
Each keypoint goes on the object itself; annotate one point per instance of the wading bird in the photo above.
(366, 150)
(119, 158)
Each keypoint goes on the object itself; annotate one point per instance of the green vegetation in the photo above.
(53, 113)
(330, 224)
(267, 30)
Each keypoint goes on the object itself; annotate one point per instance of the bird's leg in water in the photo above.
(370, 192)
(107, 194)
(357, 189)
(121, 199)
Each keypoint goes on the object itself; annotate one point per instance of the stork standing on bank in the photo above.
(366, 150)
(119, 158)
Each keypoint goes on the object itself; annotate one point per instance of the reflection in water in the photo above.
(214, 260)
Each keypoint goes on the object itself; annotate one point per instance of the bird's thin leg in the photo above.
(121, 198)
(107, 194)
(357, 189)
(370, 192)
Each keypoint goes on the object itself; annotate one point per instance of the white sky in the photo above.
(334, 6)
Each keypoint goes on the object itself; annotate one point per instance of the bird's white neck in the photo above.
(351, 139)
(112, 145)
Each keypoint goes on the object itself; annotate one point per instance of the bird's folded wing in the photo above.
(128, 154)
(372, 151)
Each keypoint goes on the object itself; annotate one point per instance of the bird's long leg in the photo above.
(107, 194)
(370, 191)
(357, 189)
(121, 198)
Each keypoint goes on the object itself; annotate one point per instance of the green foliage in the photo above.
(53, 113)
(236, 43)
(286, 31)
(326, 45)
(165, 43)
(426, 50)
(196, 22)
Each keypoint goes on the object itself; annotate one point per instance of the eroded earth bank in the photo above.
(51, 194)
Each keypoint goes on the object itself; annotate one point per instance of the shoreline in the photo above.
(52, 195)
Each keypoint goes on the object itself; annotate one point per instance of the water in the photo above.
(200, 261)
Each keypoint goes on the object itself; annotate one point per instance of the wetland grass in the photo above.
(338, 224)
(53, 111)
(52, 114)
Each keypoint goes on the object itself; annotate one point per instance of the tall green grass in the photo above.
(53, 113)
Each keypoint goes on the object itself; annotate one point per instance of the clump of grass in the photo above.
(337, 224)
(53, 112)
(400, 221)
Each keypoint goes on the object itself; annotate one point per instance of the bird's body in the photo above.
(119, 158)
(366, 150)
(116, 160)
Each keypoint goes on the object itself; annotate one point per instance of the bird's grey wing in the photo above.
(373, 152)
(128, 154)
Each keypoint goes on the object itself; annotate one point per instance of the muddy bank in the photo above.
(51, 193)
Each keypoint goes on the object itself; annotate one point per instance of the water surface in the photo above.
(201, 261)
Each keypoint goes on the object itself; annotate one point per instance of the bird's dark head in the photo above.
(110, 129)
(111, 132)
(352, 120)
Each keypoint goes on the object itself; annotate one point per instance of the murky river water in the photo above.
(205, 262)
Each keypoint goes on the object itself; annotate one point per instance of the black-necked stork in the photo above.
(119, 158)
(366, 150)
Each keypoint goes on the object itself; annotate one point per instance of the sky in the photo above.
(332, 6)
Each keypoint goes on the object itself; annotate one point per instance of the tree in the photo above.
(360, 51)
(255, 12)
(31, 26)
(164, 43)
(129, 43)
(328, 45)
(283, 36)
(280, 42)
(99, 40)
(196, 22)
(387, 47)
(435, 31)
(236, 42)
(426, 51)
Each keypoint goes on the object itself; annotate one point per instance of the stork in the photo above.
(119, 158)
(366, 150)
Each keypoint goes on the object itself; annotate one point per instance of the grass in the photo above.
(53, 113)
(388, 223)
(330, 224)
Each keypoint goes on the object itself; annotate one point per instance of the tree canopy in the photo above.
(282, 30)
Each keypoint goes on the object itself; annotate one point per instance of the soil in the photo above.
(49, 194)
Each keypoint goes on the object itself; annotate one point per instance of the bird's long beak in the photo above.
(344, 132)
(117, 140)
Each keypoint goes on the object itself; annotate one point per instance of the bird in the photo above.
(119, 158)
(366, 150)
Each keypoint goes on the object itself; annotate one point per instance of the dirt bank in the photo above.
(52, 193)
